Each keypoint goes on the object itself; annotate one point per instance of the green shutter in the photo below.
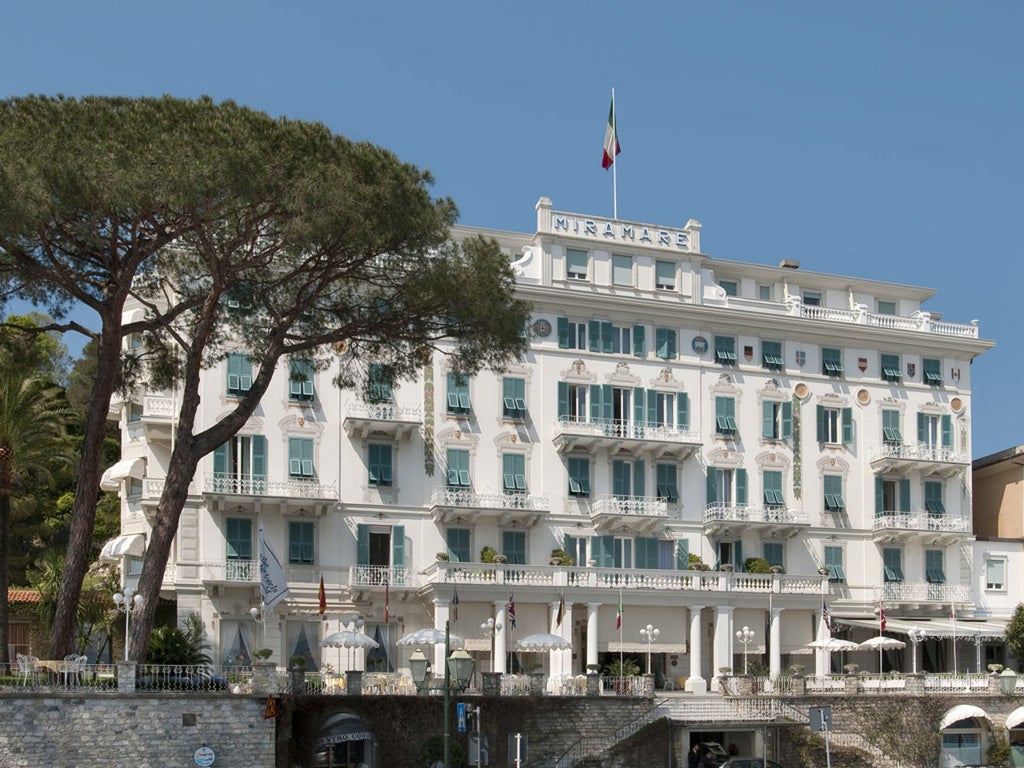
(683, 555)
(220, 460)
(295, 456)
(683, 411)
(737, 549)
(639, 409)
(905, 494)
(639, 481)
(595, 403)
(594, 336)
(652, 407)
(879, 497)
(563, 400)
(563, 332)
(820, 410)
(398, 545)
(606, 337)
(608, 402)
(787, 420)
(922, 428)
(638, 341)
(767, 420)
(847, 426)
(947, 431)
(362, 544)
(741, 487)
(620, 478)
(712, 485)
(259, 457)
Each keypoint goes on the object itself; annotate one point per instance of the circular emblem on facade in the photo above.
(956, 404)
(204, 757)
(542, 328)
(800, 390)
(699, 344)
(863, 396)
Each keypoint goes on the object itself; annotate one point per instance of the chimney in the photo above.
(789, 264)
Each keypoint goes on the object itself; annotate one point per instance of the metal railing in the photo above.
(254, 485)
(640, 506)
(919, 452)
(189, 677)
(469, 499)
(718, 512)
(379, 575)
(384, 411)
(922, 521)
(624, 429)
(62, 675)
(918, 592)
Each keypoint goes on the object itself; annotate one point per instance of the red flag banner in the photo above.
(322, 595)
(387, 602)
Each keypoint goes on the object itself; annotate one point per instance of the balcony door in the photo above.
(240, 465)
(380, 554)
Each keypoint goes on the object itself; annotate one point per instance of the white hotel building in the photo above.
(670, 406)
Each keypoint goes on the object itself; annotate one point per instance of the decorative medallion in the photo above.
(578, 366)
(800, 390)
(954, 374)
(699, 345)
(542, 328)
(341, 347)
(956, 404)
(862, 363)
(911, 370)
(863, 396)
(801, 357)
(748, 353)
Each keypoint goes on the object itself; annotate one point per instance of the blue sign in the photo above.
(460, 714)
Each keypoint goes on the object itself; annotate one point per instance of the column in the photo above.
(723, 651)
(695, 683)
(592, 632)
(499, 646)
(442, 611)
(775, 657)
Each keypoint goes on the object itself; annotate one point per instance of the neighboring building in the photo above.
(670, 406)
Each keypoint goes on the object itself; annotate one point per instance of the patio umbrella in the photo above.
(430, 636)
(833, 644)
(347, 639)
(882, 643)
(543, 642)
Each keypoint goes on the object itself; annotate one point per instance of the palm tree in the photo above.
(33, 415)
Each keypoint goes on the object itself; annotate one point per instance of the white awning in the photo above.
(971, 629)
(129, 544)
(111, 480)
(1015, 718)
(962, 712)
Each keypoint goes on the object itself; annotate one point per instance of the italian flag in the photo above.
(611, 140)
(618, 616)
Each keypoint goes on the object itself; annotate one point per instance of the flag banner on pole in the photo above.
(618, 616)
(611, 140)
(387, 602)
(561, 611)
(826, 617)
(322, 596)
(455, 603)
(511, 611)
(273, 585)
(881, 618)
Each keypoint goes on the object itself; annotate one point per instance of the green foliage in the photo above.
(757, 565)
(697, 564)
(1015, 633)
(179, 645)
(627, 667)
(488, 554)
(432, 752)
(906, 729)
(563, 557)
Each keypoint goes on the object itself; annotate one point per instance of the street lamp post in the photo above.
(916, 635)
(127, 603)
(490, 629)
(745, 636)
(650, 634)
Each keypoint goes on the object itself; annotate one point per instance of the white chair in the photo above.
(26, 667)
(72, 667)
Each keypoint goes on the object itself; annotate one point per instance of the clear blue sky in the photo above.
(876, 139)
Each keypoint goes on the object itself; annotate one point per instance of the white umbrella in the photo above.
(430, 636)
(543, 642)
(832, 644)
(347, 639)
(881, 643)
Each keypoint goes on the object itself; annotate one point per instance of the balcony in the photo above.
(909, 594)
(899, 527)
(772, 522)
(384, 419)
(929, 460)
(463, 505)
(231, 487)
(635, 514)
(247, 572)
(637, 438)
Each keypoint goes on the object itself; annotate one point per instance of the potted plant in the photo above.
(593, 669)
(500, 559)
(995, 669)
(797, 670)
(442, 556)
(756, 565)
(851, 669)
(696, 564)
(488, 554)
(561, 557)
(262, 654)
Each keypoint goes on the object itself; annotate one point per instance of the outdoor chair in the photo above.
(72, 667)
(26, 667)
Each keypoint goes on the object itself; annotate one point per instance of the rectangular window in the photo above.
(725, 416)
(458, 468)
(932, 371)
(891, 432)
(458, 394)
(812, 298)
(579, 476)
(666, 480)
(995, 573)
(891, 368)
(572, 402)
(773, 553)
(240, 465)
(513, 394)
(832, 362)
(458, 545)
(622, 270)
(892, 564)
(764, 292)
(628, 479)
(934, 566)
(300, 457)
(513, 547)
(731, 287)
(665, 275)
(834, 564)
(134, 486)
(776, 420)
(727, 487)
(835, 425)
(238, 538)
(665, 343)
(834, 493)
(239, 374)
(933, 498)
(380, 383)
(300, 380)
(892, 496)
(886, 307)
(771, 355)
(773, 498)
(935, 430)
(380, 464)
(300, 542)
(576, 263)
(134, 413)
(725, 350)
(571, 335)
(513, 467)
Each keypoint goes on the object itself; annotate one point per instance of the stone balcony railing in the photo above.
(384, 411)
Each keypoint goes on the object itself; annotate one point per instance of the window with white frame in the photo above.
(890, 364)
(771, 355)
(576, 264)
(513, 547)
(773, 496)
(572, 402)
(832, 362)
(891, 432)
(301, 538)
(731, 287)
(300, 457)
(833, 486)
(622, 270)
(886, 307)
(513, 472)
(579, 475)
(665, 275)
(892, 564)
(812, 298)
(835, 425)
(933, 498)
(380, 383)
(627, 478)
(727, 487)
(764, 292)
(380, 464)
(134, 412)
(665, 343)
(932, 370)
(300, 380)
(458, 545)
(239, 374)
(458, 468)
(777, 420)
(458, 394)
(571, 335)
(725, 416)
(934, 566)
(666, 479)
(513, 396)
(934, 430)
(725, 350)
(774, 552)
(995, 573)
(833, 561)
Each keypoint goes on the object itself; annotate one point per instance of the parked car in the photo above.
(749, 762)
(718, 753)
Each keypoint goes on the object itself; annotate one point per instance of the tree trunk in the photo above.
(83, 515)
(5, 562)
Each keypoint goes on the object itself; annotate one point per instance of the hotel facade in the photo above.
(695, 445)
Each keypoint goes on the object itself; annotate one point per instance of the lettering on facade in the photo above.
(620, 232)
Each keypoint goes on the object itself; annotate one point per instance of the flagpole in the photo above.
(952, 613)
(620, 588)
(615, 183)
